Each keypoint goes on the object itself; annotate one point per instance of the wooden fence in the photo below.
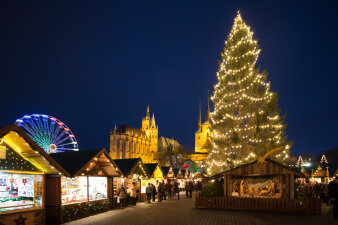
(307, 206)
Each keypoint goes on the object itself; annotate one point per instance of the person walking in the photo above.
(160, 190)
(333, 193)
(133, 193)
(149, 191)
(164, 190)
(190, 188)
(168, 189)
(122, 196)
(154, 193)
(187, 189)
(176, 190)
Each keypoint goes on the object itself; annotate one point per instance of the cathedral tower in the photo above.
(203, 133)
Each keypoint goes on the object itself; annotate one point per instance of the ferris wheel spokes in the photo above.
(48, 132)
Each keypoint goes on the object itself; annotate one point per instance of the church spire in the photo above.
(153, 124)
(148, 114)
(199, 124)
(208, 109)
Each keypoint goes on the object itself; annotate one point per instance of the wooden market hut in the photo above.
(23, 169)
(177, 173)
(89, 179)
(133, 170)
(320, 174)
(257, 174)
(186, 173)
(267, 186)
(169, 172)
(165, 170)
(154, 172)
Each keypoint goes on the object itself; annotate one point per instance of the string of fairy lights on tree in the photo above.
(323, 159)
(246, 121)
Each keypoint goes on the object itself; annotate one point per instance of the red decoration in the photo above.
(11, 180)
(20, 220)
(24, 181)
(185, 165)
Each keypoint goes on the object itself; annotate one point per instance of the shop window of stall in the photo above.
(97, 188)
(20, 191)
(74, 190)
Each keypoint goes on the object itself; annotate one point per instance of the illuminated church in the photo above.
(129, 142)
(202, 137)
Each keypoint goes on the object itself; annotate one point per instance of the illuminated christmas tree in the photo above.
(300, 162)
(246, 121)
(323, 159)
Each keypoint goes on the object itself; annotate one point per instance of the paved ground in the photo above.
(176, 212)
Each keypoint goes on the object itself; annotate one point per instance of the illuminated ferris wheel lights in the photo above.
(49, 133)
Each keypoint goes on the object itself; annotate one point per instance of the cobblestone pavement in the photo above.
(177, 212)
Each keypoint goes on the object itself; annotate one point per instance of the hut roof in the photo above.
(151, 167)
(73, 161)
(255, 169)
(165, 170)
(76, 162)
(127, 166)
(19, 140)
(176, 171)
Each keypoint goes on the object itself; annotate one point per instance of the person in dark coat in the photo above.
(154, 193)
(160, 190)
(164, 196)
(169, 189)
(176, 190)
(186, 189)
(190, 188)
(149, 191)
(333, 193)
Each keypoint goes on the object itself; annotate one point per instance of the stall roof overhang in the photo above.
(128, 166)
(177, 172)
(165, 170)
(14, 137)
(82, 162)
(151, 168)
(265, 169)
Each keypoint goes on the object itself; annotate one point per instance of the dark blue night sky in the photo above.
(94, 63)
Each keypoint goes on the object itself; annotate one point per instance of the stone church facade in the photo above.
(129, 142)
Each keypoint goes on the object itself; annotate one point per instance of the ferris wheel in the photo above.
(48, 132)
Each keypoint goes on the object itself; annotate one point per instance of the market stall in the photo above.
(165, 170)
(320, 175)
(261, 185)
(155, 173)
(269, 179)
(23, 166)
(178, 177)
(88, 188)
(133, 170)
(185, 176)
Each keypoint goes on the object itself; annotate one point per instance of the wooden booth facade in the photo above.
(85, 190)
(23, 169)
(260, 186)
(133, 170)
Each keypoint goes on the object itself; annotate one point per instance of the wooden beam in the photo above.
(292, 186)
(225, 185)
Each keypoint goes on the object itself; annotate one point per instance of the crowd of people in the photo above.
(163, 190)
(328, 193)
